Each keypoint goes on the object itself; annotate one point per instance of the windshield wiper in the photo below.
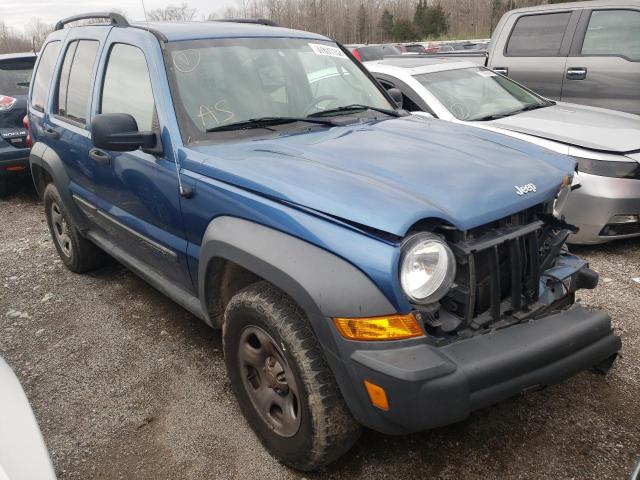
(355, 107)
(266, 122)
(496, 116)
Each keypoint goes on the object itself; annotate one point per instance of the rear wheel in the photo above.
(77, 253)
(283, 384)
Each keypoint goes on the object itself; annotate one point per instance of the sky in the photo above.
(17, 14)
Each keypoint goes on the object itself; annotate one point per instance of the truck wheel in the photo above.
(284, 386)
(77, 253)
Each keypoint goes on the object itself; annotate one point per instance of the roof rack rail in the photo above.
(115, 18)
(258, 21)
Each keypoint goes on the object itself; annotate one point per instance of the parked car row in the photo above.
(367, 266)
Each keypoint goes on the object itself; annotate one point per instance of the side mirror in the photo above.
(119, 132)
(396, 95)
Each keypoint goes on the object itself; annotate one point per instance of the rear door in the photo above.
(533, 47)
(603, 68)
(65, 129)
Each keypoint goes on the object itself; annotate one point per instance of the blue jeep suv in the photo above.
(366, 267)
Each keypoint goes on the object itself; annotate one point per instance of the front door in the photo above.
(603, 68)
(136, 192)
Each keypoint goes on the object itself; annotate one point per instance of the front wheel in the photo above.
(283, 384)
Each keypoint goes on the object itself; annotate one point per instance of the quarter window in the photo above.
(43, 75)
(75, 80)
(127, 86)
(613, 32)
(538, 35)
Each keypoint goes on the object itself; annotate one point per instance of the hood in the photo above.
(391, 174)
(578, 125)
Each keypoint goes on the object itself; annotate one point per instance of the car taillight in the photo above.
(6, 102)
(25, 123)
(356, 54)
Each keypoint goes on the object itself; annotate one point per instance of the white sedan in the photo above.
(605, 143)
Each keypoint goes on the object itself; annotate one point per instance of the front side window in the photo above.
(613, 32)
(42, 78)
(476, 93)
(538, 35)
(217, 82)
(74, 86)
(127, 85)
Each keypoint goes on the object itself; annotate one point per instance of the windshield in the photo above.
(478, 93)
(218, 82)
(15, 76)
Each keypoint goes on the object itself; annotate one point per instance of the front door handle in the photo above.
(100, 156)
(501, 70)
(51, 133)
(576, 73)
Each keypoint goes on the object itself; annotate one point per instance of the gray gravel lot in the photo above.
(126, 384)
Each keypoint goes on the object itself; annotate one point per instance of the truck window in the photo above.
(127, 85)
(42, 78)
(613, 32)
(538, 35)
(75, 80)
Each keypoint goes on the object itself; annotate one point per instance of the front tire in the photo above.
(281, 379)
(77, 253)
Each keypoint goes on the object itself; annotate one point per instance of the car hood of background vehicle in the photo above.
(390, 174)
(579, 125)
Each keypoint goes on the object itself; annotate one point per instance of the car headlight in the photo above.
(609, 168)
(561, 197)
(427, 268)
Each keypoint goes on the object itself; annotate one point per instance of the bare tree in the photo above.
(37, 31)
(11, 41)
(172, 13)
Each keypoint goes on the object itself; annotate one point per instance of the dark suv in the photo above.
(367, 267)
(15, 75)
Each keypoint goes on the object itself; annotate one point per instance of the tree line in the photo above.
(348, 21)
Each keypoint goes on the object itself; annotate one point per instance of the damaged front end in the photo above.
(509, 271)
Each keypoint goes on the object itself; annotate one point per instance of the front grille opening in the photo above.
(498, 274)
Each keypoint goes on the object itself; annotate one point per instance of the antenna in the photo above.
(186, 192)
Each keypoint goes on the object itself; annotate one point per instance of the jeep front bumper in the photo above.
(429, 386)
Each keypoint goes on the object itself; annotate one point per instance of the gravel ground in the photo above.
(126, 384)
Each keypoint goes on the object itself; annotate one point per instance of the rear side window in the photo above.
(127, 86)
(15, 76)
(613, 32)
(75, 80)
(538, 35)
(43, 75)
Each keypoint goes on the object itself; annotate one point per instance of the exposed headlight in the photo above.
(427, 268)
(627, 168)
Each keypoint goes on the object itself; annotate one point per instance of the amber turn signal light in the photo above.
(377, 395)
(388, 327)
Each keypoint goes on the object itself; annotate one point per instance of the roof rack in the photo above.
(115, 18)
(258, 21)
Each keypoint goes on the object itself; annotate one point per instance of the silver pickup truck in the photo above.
(581, 52)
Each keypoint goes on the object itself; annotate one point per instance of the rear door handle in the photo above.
(100, 156)
(501, 70)
(576, 73)
(51, 133)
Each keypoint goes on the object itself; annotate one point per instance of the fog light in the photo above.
(388, 327)
(624, 219)
(377, 395)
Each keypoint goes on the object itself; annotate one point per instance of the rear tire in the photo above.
(77, 253)
(303, 420)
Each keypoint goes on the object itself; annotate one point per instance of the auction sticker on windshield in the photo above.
(327, 50)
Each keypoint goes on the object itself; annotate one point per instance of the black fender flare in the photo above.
(48, 160)
(322, 283)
